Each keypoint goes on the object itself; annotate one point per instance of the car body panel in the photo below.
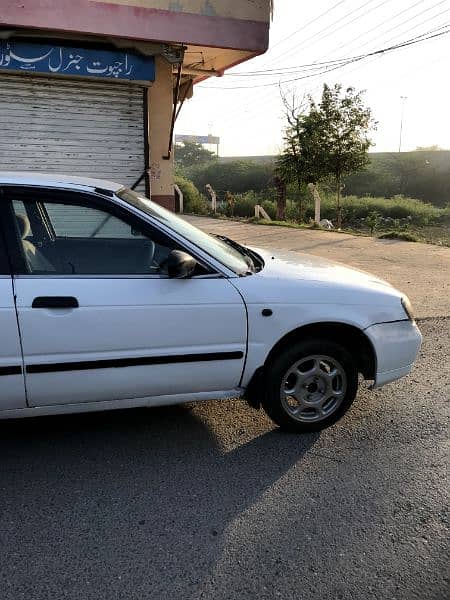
(12, 388)
(313, 290)
(123, 403)
(397, 345)
(130, 318)
(56, 180)
(158, 319)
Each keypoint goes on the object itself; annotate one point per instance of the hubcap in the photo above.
(313, 388)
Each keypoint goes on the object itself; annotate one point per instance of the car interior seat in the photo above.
(36, 261)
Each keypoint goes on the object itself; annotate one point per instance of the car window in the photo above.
(222, 252)
(19, 208)
(4, 265)
(78, 221)
(75, 239)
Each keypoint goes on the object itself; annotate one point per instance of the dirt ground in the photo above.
(422, 271)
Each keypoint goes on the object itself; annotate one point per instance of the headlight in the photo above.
(407, 307)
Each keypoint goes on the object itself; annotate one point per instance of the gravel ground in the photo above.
(211, 501)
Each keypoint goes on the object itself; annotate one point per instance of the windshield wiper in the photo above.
(245, 252)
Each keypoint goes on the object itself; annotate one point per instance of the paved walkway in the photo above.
(420, 270)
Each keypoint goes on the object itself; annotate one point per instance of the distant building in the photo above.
(87, 87)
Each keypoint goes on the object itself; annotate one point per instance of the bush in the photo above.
(194, 202)
(245, 204)
(398, 207)
(356, 210)
(398, 235)
(270, 207)
(238, 177)
(397, 212)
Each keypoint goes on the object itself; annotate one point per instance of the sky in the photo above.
(250, 122)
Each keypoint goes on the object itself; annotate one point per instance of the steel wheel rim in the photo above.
(313, 388)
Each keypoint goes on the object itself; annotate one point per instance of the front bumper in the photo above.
(396, 347)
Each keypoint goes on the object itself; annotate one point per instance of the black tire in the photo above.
(302, 352)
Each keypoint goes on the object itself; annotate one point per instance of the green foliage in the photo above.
(237, 176)
(399, 207)
(398, 212)
(270, 208)
(194, 202)
(433, 148)
(399, 235)
(188, 154)
(424, 175)
(345, 125)
(244, 206)
(373, 220)
(329, 139)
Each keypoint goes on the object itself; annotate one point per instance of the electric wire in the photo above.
(335, 67)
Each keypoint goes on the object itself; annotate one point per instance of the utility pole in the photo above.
(403, 100)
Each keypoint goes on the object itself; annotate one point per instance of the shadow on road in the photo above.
(132, 504)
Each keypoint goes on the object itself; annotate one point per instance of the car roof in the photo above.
(56, 180)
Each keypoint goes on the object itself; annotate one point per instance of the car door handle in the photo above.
(55, 302)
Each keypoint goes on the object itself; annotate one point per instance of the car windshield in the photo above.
(229, 255)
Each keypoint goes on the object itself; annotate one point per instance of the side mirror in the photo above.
(180, 265)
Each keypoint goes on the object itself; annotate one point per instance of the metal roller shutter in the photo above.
(76, 127)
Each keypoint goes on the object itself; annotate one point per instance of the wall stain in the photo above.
(208, 9)
(176, 6)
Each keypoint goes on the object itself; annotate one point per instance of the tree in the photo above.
(299, 164)
(344, 143)
(434, 148)
(188, 154)
(329, 139)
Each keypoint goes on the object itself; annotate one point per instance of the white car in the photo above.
(109, 301)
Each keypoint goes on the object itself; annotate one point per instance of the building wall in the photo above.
(234, 24)
(160, 107)
(226, 31)
(253, 10)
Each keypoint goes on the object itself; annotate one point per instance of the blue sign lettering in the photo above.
(84, 62)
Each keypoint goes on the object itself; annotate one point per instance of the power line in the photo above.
(420, 14)
(318, 73)
(316, 65)
(422, 22)
(402, 34)
(264, 101)
(307, 24)
(272, 101)
(312, 90)
(361, 35)
(410, 42)
(326, 29)
(327, 34)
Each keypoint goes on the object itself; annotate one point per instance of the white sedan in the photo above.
(109, 301)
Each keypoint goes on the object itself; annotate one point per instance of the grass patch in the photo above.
(405, 236)
(390, 211)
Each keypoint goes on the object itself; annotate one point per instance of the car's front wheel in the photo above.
(310, 385)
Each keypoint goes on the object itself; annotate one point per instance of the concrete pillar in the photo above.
(160, 107)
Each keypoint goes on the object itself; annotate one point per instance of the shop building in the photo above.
(92, 88)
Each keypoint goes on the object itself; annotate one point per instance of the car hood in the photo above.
(296, 265)
(292, 278)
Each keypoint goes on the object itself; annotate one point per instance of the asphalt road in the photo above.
(211, 501)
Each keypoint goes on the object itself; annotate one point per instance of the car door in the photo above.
(100, 319)
(12, 388)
